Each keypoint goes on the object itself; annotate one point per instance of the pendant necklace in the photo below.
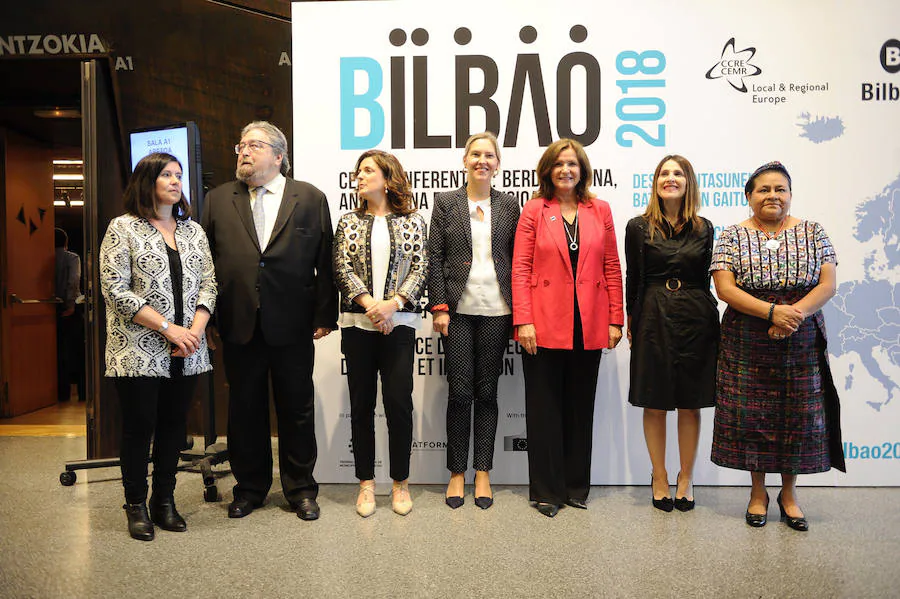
(772, 243)
(573, 239)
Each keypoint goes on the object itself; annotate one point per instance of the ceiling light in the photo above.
(58, 112)
(65, 177)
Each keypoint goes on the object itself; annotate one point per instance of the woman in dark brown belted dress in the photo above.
(776, 406)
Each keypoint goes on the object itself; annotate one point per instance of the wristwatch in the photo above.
(399, 302)
(164, 326)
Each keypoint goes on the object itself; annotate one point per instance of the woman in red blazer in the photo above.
(567, 307)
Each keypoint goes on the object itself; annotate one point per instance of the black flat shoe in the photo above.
(757, 520)
(308, 509)
(665, 504)
(484, 502)
(577, 503)
(548, 509)
(796, 523)
(456, 501)
(683, 504)
(164, 514)
(139, 525)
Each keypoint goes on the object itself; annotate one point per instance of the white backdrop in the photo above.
(812, 84)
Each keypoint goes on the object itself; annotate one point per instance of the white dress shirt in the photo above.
(482, 296)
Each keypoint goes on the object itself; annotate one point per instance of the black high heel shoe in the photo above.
(665, 504)
(757, 520)
(796, 523)
(683, 504)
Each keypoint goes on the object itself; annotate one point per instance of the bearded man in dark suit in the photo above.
(271, 239)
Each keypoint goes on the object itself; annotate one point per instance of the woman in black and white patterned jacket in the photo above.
(158, 280)
(380, 264)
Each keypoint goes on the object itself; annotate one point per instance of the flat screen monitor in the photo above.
(182, 140)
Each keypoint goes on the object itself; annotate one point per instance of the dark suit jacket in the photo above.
(290, 283)
(450, 245)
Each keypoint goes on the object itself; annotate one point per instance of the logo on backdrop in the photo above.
(734, 66)
(885, 91)
(890, 56)
(364, 94)
(515, 442)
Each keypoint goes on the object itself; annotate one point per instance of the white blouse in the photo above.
(482, 296)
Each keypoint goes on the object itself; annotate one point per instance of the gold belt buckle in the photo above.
(673, 284)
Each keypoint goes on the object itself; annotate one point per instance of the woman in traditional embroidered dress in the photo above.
(777, 409)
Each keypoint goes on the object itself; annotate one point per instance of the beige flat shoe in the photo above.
(365, 502)
(401, 501)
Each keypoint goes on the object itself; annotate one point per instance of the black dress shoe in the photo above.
(308, 509)
(164, 514)
(578, 503)
(139, 525)
(548, 509)
(796, 523)
(241, 507)
(456, 501)
(484, 502)
(757, 520)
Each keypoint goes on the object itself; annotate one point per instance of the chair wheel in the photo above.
(67, 478)
(211, 494)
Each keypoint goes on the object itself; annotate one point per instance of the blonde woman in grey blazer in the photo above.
(470, 297)
(158, 280)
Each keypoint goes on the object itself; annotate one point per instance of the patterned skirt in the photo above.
(777, 409)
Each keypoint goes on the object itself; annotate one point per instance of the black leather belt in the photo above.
(674, 283)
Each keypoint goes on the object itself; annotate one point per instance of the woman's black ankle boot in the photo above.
(164, 514)
(139, 525)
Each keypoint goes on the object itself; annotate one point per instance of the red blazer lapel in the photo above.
(588, 233)
(554, 227)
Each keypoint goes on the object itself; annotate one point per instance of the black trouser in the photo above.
(248, 367)
(559, 403)
(152, 407)
(368, 353)
(70, 354)
(474, 349)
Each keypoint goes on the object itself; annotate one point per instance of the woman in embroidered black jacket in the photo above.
(380, 264)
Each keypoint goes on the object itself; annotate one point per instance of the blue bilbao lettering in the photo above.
(351, 102)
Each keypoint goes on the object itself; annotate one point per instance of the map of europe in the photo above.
(863, 317)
